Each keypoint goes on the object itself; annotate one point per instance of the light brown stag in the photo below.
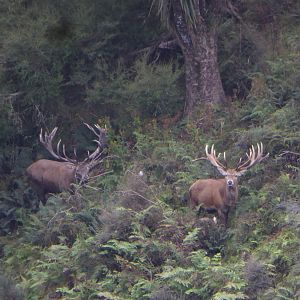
(222, 194)
(48, 176)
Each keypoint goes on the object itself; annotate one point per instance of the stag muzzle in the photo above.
(81, 180)
(230, 183)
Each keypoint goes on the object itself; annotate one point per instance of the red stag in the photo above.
(222, 194)
(48, 176)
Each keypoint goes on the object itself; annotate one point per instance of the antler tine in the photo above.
(225, 160)
(206, 149)
(58, 147)
(252, 158)
(65, 155)
(214, 160)
(101, 134)
(98, 156)
(52, 133)
(75, 152)
(95, 158)
(93, 155)
(101, 130)
(261, 148)
(46, 140)
(91, 128)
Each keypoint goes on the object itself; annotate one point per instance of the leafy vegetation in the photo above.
(129, 234)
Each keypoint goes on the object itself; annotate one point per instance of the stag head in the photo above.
(84, 167)
(231, 175)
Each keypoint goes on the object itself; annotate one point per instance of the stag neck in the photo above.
(231, 195)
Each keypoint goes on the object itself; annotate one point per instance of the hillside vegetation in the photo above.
(130, 234)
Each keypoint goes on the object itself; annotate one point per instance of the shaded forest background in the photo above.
(109, 62)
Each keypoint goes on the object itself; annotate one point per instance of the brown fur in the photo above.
(48, 176)
(214, 194)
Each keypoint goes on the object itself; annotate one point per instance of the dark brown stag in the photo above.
(222, 194)
(48, 176)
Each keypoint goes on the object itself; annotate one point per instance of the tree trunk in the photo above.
(198, 43)
(203, 81)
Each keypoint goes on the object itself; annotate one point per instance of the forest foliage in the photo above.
(129, 234)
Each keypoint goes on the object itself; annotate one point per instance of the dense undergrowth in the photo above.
(130, 234)
(133, 237)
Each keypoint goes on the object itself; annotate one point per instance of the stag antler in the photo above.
(253, 158)
(96, 156)
(46, 140)
(214, 160)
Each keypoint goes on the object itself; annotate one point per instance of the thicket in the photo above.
(131, 235)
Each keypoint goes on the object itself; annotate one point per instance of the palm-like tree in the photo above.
(195, 23)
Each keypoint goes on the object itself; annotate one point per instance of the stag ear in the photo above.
(240, 173)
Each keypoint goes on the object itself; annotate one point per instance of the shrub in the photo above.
(8, 290)
(258, 278)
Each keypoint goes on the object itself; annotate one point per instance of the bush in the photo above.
(8, 290)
